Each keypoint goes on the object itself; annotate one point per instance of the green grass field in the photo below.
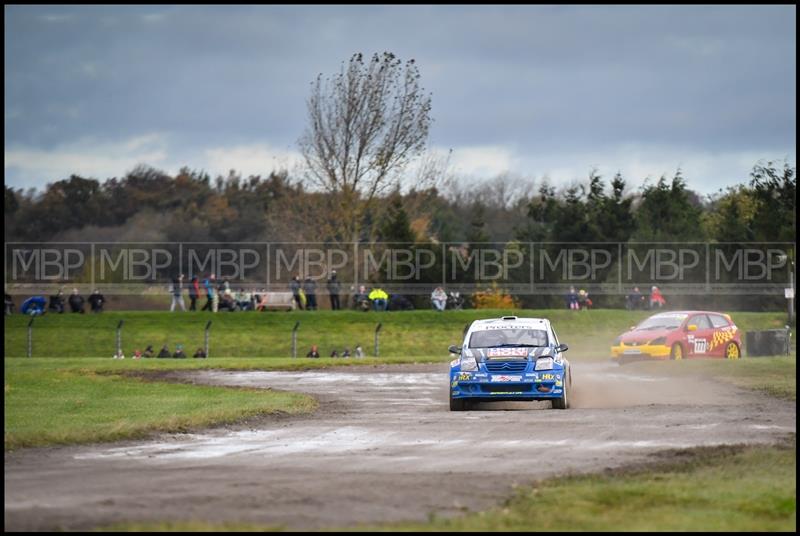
(52, 401)
(251, 334)
(61, 405)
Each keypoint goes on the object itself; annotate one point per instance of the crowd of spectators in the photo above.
(357, 352)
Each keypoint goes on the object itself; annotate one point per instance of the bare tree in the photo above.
(366, 124)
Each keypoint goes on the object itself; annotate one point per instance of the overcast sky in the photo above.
(530, 90)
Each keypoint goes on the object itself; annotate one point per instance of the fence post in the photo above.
(119, 337)
(294, 338)
(377, 331)
(208, 327)
(30, 337)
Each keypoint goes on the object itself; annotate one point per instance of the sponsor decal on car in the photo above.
(504, 378)
(722, 336)
(507, 352)
(547, 377)
(464, 376)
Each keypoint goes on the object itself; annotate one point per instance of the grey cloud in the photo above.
(540, 79)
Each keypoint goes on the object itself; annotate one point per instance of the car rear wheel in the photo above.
(677, 352)
(732, 351)
(563, 401)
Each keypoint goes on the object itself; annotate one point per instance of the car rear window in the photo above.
(719, 321)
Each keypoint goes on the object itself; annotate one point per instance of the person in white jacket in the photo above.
(439, 298)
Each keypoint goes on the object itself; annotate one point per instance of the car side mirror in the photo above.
(562, 348)
(453, 349)
(691, 327)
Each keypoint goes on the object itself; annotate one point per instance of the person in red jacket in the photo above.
(656, 299)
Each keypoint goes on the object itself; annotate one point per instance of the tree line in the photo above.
(149, 204)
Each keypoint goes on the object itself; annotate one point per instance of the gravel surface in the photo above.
(383, 447)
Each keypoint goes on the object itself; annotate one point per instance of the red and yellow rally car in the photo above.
(680, 335)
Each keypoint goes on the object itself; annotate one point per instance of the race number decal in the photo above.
(700, 346)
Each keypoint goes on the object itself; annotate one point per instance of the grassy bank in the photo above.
(47, 405)
(250, 334)
(52, 401)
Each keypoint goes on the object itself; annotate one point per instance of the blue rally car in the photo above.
(510, 358)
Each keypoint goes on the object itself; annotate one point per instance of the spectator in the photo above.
(334, 287)
(294, 286)
(226, 300)
(360, 299)
(572, 299)
(137, 354)
(634, 300)
(310, 290)
(200, 353)
(261, 301)
(149, 352)
(96, 301)
(455, 302)
(57, 302)
(10, 305)
(179, 353)
(177, 294)
(358, 352)
(439, 298)
(76, 302)
(656, 299)
(244, 300)
(33, 306)
(583, 300)
(211, 295)
(215, 298)
(164, 352)
(346, 352)
(379, 298)
(334, 353)
(313, 352)
(194, 292)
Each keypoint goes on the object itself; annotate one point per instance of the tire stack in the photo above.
(767, 342)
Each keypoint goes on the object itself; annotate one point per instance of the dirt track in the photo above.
(383, 447)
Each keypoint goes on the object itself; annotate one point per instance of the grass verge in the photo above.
(63, 405)
(250, 334)
(58, 401)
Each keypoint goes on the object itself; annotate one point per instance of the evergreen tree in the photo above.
(667, 213)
